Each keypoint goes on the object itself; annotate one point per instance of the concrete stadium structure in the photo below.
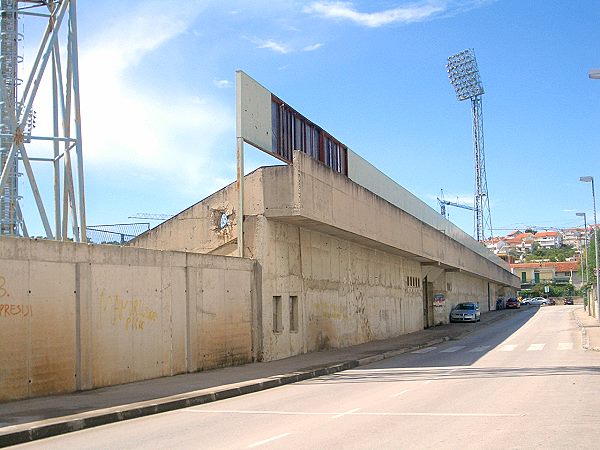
(339, 264)
(335, 254)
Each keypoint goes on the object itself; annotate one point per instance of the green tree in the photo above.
(551, 254)
(591, 260)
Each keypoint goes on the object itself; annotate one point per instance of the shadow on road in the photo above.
(458, 364)
(394, 375)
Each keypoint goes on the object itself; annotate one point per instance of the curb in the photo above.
(19, 434)
(585, 339)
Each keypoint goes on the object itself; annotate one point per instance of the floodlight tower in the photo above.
(57, 57)
(464, 76)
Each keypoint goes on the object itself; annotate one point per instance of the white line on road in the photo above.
(535, 347)
(354, 413)
(480, 349)
(256, 444)
(337, 416)
(425, 350)
(565, 346)
(400, 393)
(453, 349)
(508, 347)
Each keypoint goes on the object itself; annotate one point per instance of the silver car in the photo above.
(538, 301)
(465, 312)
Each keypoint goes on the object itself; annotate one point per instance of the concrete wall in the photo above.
(78, 316)
(347, 293)
(343, 252)
(332, 200)
(371, 178)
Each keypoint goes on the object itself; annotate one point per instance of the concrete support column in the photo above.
(83, 327)
(191, 301)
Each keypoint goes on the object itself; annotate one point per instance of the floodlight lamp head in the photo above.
(581, 214)
(587, 179)
(594, 74)
(464, 75)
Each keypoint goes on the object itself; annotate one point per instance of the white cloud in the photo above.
(270, 44)
(415, 12)
(132, 128)
(222, 83)
(310, 48)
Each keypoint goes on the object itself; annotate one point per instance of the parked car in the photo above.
(538, 301)
(525, 301)
(512, 303)
(465, 312)
(568, 301)
(551, 301)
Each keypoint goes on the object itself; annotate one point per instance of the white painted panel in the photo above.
(364, 173)
(253, 112)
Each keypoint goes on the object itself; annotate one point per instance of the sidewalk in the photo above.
(590, 329)
(31, 419)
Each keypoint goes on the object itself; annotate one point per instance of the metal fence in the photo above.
(118, 233)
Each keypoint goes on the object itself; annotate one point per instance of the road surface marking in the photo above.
(421, 414)
(425, 350)
(481, 348)
(565, 346)
(453, 349)
(354, 413)
(280, 413)
(400, 393)
(508, 347)
(337, 416)
(256, 444)
(535, 347)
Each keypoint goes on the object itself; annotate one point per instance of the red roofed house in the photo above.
(548, 239)
(547, 272)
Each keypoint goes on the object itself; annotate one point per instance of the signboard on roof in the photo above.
(271, 125)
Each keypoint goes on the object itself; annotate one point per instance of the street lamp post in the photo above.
(589, 179)
(587, 277)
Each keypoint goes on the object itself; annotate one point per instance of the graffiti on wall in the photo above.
(133, 314)
(439, 300)
(11, 309)
(3, 289)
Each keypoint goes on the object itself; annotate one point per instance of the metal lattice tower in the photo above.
(56, 63)
(464, 76)
(9, 59)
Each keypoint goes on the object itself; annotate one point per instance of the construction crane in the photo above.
(444, 202)
(149, 216)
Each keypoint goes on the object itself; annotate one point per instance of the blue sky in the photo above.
(158, 97)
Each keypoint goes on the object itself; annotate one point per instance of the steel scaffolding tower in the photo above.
(59, 48)
(464, 76)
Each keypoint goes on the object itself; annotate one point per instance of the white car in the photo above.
(538, 301)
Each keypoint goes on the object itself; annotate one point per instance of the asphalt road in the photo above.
(519, 383)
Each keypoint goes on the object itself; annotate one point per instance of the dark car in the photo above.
(568, 301)
(512, 303)
(551, 301)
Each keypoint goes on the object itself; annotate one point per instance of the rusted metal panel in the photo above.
(292, 131)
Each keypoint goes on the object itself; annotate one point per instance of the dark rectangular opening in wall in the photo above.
(277, 314)
(293, 313)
